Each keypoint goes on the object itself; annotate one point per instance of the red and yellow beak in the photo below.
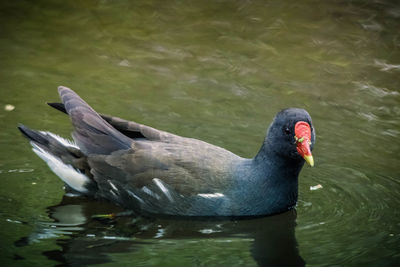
(302, 131)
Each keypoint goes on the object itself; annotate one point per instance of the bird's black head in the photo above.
(292, 135)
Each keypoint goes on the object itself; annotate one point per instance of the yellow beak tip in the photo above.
(310, 160)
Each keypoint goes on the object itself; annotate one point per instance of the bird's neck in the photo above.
(277, 170)
(272, 180)
(267, 158)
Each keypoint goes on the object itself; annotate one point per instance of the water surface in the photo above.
(218, 71)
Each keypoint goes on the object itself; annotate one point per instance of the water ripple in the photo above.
(358, 204)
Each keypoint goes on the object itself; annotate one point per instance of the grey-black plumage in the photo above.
(155, 172)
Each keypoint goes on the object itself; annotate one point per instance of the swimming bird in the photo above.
(154, 172)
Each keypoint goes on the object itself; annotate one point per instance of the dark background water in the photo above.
(218, 71)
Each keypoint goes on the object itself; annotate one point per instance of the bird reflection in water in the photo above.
(85, 240)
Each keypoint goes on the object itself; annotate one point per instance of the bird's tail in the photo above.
(63, 157)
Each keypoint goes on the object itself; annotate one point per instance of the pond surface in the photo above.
(217, 71)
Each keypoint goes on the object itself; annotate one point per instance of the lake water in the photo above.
(217, 71)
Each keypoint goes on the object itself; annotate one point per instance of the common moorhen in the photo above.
(155, 172)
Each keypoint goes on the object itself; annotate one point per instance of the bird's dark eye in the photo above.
(286, 130)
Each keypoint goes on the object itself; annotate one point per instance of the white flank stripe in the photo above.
(135, 196)
(112, 185)
(74, 178)
(215, 195)
(113, 193)
(149, 192)
(161, 185)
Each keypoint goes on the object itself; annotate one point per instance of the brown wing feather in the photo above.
(92, 134)
(137, 130)
(130, 129)
(188, 169)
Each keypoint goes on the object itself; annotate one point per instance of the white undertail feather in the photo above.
(72, 177)
(62, 140)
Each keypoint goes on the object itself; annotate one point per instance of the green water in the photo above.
(217, 71)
